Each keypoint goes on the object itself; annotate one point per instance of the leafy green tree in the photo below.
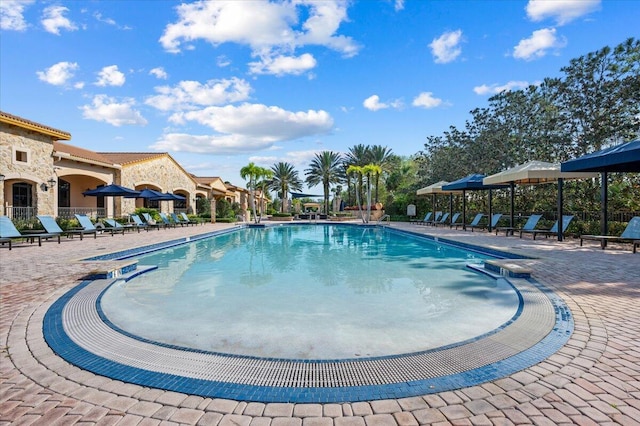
(325, 169)
(357, 156)
(285, 179)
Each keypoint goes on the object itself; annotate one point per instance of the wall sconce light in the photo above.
(51, 183)
(1, 178)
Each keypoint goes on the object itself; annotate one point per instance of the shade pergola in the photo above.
(534, 173)
(620, 158)
(436, 189)
(473, 182)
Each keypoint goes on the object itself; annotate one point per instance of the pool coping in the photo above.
(65, 346)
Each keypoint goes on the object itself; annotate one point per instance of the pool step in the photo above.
(112, 269)
(508, 268)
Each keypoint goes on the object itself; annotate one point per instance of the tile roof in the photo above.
(32, 125)
(81, 153)
(131, 157)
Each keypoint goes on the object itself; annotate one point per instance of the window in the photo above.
(100, 200)
(64, 193)
(21, 156)
(21, 194)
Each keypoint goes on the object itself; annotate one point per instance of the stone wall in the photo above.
(162, 173)
(15, 144)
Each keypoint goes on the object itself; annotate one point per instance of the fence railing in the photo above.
(20, 213)
(93, 212)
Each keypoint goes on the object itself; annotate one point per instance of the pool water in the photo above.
(311, 292)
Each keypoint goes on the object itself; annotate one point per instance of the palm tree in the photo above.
(252, 172)
(380, 156)
(357, 156)
(285, 179)
(325, 168)
(263, 181)
(362, 171)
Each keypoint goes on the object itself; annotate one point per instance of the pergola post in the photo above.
(560, 211)
(604, 225)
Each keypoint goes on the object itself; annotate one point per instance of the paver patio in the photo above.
(593, 379)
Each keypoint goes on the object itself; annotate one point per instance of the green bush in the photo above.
(152, 212)
(281, 215)
(226, 220)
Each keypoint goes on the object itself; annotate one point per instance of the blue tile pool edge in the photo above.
(62, 345)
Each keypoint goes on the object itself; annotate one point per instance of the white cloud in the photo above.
(244, 128)
(58, 74)
(497, 88)
(373, 103)
(11, 14)
(109, 110)
(53, 20)
(426, 100)
(270, 29)
(399, 5)
(159, 72)
(299, 159)
(446, 48)
(222, 61)
(282, 65)
(193, 94)
(563, 11)
(538, 45)
(110, 76)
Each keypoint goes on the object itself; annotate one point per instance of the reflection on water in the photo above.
(311, 291)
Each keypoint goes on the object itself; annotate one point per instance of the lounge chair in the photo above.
(186, 218)
(427, 217)
(177, 220)
(152, 222)
(442, 221)
(142, 224)
(495, 218)
(474, 222)
(9, 232)
(554, 229)
(432, 221)
(454, 220)
(631, 234)
(530, 225)
(52, 227)
(88, 226)
(166, 221)
(114, 226)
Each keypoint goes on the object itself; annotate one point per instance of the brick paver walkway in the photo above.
(593, 380)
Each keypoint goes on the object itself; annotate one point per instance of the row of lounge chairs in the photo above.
(9, 233)
(631, 234)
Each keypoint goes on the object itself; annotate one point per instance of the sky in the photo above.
(219, 84)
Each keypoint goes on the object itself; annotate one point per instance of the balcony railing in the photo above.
(20, 213)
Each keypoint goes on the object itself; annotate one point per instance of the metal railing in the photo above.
(20, 213)
(386, 218)
(92, 212)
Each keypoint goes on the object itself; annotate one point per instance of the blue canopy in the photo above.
(470, 183)
(112, 190)
(620, 158)
(146, 193)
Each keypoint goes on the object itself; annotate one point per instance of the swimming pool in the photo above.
(77, 329)
(311, 292)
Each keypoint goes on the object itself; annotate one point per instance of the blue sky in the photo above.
(219, 84)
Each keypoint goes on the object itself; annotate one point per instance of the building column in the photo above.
(213, 210)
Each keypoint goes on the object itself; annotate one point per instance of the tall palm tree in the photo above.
(251, 171)
(357, 156)
(285, 179)
(263, 181)
(325, 168)
(380, 156)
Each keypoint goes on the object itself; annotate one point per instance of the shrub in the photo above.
(281, 215)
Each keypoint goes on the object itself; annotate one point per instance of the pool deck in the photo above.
(594, 379)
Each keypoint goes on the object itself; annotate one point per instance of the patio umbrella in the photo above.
(435, 189)
(533, 173)
(113, 191)
(146, 193)
(472, 182)
(620, 158)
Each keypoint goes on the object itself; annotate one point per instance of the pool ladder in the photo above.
(386, 218)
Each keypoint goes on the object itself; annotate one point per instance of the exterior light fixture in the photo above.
(48, 184)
